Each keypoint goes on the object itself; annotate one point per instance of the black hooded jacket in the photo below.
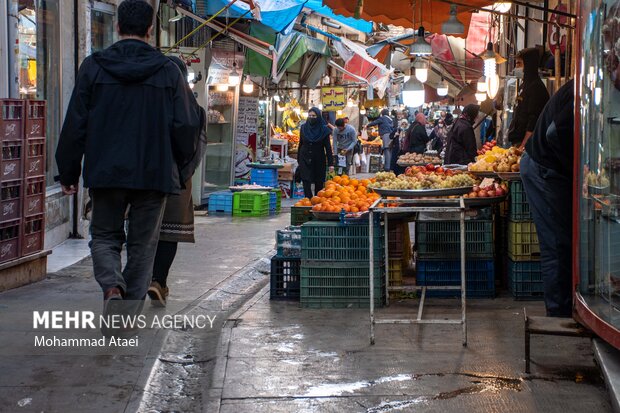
(132, 118)
(531, 100)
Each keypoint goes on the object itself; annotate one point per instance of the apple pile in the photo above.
(488, 190)
(488, 146)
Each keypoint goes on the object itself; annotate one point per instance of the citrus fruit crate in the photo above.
(519, 207)
(479, 277)
(523, 241)
(285, 278)
(442, 239)
(333, 241)
(221, 201)
(395, 272)
(300, 214)
(250, 204)
(340, 287)
(525, 280)
(264, 177)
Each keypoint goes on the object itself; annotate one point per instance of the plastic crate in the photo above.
(523, 241)
(442, 239)
(11, 201)
(278, 193)
(34, 191)
(519, 208)
(301, 214)
(272, 202)
(395, 272)
(285, 278)
(34, 164)
(288, 242)
(9, 240)
(221, 201)
(11, 163)
(264, 177)
(250, 204)
(340, 287)
(12, 114)
(35, 119)
(333, 241)
(479, 277)
(396, 240)
(33, 234)
(525, 280)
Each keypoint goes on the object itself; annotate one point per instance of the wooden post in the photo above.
(558, 69)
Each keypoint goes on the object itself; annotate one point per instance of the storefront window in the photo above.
(40, 65)
(101, 26)
(599, 89)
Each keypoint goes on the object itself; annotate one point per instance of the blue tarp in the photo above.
(357, 24)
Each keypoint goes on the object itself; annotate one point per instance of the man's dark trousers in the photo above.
(549, 195)
(146, 210)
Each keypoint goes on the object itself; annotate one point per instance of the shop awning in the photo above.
(357, 24)
(430, 13)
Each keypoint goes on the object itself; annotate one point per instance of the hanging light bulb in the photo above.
(350, 103)
(276, 98)
(481, 97)
(442, 88)
(339, 112)
(481, 86)
(362, 110)
(221, 87)
(492, 86)
(320, 106)
(233, 76)
(248, 86)
(281, 106)
(421, 71)
(420, 46)
(413, 93)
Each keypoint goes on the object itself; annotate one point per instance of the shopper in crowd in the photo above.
(417, 136)
(314, 153)
(461, 140)
(178, 221)
(400, 145)
(531, 99)
(439, 135)
(547, 174)
(385, 124)
(448, 120)
(133, 120)
(344, 141)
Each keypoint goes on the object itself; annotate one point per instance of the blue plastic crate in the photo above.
(221, 201)
(264, 177)
(273, 199)
(525, 280)
(285, 274)
(479, 277)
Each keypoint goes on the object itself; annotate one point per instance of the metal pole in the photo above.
(463, 279)
(558, 69)
(371, 281)
(4, 50)
(13, 48)
(387, 260)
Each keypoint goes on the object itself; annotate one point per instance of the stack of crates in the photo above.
(439, 256)
(335, 265)
(275, 201)
(221, 202)
(524, 275)
(398, 234)
(264, 177)
(301, 214)
(285, 265)
(251, 204)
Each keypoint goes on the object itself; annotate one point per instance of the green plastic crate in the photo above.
(525, 280)
(333, 241)
(442, 239)
(338, 287)
(300, 214)
(523, 241)
(519, 207)
(251, 204)
(278, 193)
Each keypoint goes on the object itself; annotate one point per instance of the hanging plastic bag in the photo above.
(356, 160)
(364, 136)
(342, 160)
(363, 159)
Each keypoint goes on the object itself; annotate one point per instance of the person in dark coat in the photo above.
(461, 142)
(417, 135)
(314, 153)
(385, 124)
(133, 120)
(178, 221)
(531, 99)
(547, 174)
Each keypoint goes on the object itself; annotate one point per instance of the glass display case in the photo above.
(597, 216)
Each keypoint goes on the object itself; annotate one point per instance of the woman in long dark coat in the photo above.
(314, 153)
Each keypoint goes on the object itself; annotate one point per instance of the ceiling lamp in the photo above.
(233, 77)
(481, 86)
(453, 25)
(248, 86)
(442, 88)
(413, 93)
(481, 97)
(420, 46)
(421, 70)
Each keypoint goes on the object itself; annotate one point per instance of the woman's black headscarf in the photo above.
(315, 129)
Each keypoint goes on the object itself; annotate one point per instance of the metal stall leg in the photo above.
(371, 281)
(463, 279)
(387, 260)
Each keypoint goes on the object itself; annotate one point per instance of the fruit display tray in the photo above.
(416, 193)
(471, 202)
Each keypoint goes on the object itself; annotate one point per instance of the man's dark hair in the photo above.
(340, 122)
(134, 18)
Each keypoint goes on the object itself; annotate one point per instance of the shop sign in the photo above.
(557, 35)
(333, 98)
(222, 64)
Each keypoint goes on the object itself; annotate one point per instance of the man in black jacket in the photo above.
(547, 174)
(461, 140)
(131, 118)
(531, 100)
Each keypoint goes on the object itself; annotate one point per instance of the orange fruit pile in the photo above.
(344, 193)
(303, 203)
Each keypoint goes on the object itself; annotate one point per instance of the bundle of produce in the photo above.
(417, 158)
(488, 188)
(423, 179)
(344, 193)
(488, 146)
(498, 160)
